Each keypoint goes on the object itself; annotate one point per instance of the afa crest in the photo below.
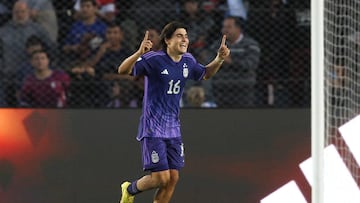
(154, 157)
(185, 70)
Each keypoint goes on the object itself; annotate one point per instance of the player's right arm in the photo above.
(127, 65)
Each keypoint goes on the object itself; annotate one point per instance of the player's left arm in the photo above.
(215, 64)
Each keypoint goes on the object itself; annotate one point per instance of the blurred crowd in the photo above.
(65, 53)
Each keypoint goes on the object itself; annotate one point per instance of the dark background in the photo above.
(78, 156)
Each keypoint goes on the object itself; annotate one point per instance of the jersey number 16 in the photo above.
(174, 88)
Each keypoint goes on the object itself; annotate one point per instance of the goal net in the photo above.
(342, 77)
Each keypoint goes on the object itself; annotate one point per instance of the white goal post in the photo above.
(335, 82)
(317, 99)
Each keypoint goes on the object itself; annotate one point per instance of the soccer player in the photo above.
(166, 72)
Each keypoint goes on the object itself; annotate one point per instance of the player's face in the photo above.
(179, 42)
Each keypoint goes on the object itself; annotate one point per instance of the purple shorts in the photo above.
(160, 154)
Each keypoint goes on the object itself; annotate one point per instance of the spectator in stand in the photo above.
(14, 34)
(206, 86)
(83, 89)
(110, 51)
(106, 9)
(234, 85)
(32, 44)
(119, 99)
(86, 34)
(106, 61)
(196, 98)
(45, 87)
(43, 12)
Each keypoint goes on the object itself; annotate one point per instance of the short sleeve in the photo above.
(198, 72)
(141, 67)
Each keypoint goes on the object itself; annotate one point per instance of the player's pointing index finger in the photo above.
(146, 35)
(223, 40)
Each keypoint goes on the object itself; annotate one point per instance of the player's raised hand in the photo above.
(146, 44)
(223, 51)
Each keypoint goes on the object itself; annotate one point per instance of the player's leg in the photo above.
(155, 160)
(154, 180)
(165, 192)
(158, 156)
(175, 157)
(159, 179)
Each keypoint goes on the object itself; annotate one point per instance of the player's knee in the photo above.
(162, 179)
(164, 182)
(174, 178)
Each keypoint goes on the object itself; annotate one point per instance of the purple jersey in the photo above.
(163, 89)
(49, 92)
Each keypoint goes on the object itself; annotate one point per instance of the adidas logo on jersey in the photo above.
(165, 72)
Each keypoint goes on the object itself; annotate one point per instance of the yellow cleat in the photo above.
(125, 196)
